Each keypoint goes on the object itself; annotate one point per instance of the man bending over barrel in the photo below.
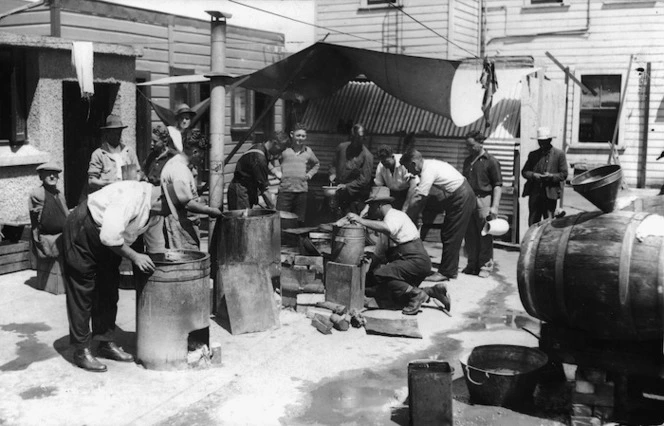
(96, 236)
(407, 262)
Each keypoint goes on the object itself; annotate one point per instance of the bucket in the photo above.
(496, 227)
(502, 375)
(348, 244)
(430, 392)
(171, 303)
(600, 186)
(589, 272)
(251, 235)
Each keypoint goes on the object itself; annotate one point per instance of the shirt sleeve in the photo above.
(315, 164)
(392, 223)
(495, 174)
(364, 178)
(96, 165)
(260, 171)
(115, 221)
(378, 180)
(426, 182)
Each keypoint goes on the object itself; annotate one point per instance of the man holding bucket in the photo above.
(482, 170)
(545, 172)
(407, 261)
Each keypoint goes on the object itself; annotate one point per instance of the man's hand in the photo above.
(214, 212)
(537, 176)
(341, 186)
(353, 218)
(143, 262)
(493, 213)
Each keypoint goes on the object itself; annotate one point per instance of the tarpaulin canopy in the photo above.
(323, 68)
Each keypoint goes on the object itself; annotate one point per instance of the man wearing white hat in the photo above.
(407, 261)
(545, 172)
(183, 119)
(482, 170)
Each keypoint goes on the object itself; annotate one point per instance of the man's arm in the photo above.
(315, 164)
(376, 225)
(496, 178)
(364, 178)
(142, 261)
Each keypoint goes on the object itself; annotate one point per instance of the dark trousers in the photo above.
(238, 197)
(407, 265)
(540, 207)
(479, 248)
(294, 202)
(458, 208)
(93, 275)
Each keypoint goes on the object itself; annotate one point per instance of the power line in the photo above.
(303, 22)
(430, 29)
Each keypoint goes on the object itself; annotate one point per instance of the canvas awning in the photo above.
(323, 68)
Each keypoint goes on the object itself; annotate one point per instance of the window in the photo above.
(545, 1)
(241, 108)
(12, 103)
(598, 113)
(369, 4)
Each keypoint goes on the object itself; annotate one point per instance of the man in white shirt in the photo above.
(96, 235)
(393, 175)
(407, 261)
(444, 186)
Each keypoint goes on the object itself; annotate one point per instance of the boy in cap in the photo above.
(107, 161)
(183, 119)
(406, 262)
(545, 172)
(48, 213)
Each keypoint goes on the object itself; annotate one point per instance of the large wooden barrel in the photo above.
(172, 306)
(653, 204)
(590, 273)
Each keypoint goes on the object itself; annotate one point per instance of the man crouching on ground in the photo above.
(407, 263)
(96, 237)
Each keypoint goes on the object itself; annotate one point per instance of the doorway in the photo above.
(81, 121)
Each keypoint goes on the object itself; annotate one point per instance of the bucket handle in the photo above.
(486, 373)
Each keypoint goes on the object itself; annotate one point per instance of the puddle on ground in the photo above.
(39, 392)
(365, 397)
(30, 349)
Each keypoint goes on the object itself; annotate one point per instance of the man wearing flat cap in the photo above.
(48, 212)
(545, 172)
(113, 161)
(405, 262)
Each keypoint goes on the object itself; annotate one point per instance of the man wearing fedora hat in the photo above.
(482, 170)
(108, 162)
(545, 172)
(48, 213)
(402, 260)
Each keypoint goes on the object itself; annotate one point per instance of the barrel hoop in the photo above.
(559, 268)
(624, 269)
(529, 265)
(201, 275)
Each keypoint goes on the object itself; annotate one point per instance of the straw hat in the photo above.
(379, 193)
(184, 109)
(544, 133)
(51, 166)
(113, 122)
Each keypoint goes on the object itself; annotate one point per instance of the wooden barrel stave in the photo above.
(605, 282)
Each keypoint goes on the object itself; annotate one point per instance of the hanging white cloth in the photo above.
(176, 136)
(82, 58)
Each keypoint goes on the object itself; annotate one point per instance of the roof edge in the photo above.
(45, 42)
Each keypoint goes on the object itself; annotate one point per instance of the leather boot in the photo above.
(83, 358)
(112, 351)
(417, 297)
(439, 293)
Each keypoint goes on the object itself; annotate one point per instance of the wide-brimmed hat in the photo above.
(184, 109)
(51, 166)
(113, 122)
(544, 133)
(384, 199)
(378, 194)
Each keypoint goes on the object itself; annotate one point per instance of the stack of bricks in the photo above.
(593, 397)
(300, 275)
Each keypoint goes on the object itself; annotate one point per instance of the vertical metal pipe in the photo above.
(217, 109)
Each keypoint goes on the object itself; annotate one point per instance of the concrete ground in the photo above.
(292, 375)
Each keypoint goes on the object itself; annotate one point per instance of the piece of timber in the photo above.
(340, 322)
(334, 307)
(391, 323)
(322, 324)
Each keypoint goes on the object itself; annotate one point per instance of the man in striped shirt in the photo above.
(298, 165)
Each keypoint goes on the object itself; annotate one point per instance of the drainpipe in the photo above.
(578, 31)
(217, 108)
(56, 28)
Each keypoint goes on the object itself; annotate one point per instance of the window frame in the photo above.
(17, 115)
(576, 112)
(248, 107)
(379, 4)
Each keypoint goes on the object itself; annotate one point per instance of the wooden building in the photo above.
(595, 40)
(168, 45)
